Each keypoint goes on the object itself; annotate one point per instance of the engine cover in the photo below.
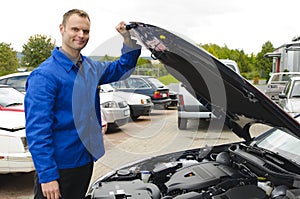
(201, 176)
(126, 189)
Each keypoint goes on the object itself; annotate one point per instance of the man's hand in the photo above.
(51, 190)
(121, 28)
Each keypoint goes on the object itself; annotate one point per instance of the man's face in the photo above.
(75, 34)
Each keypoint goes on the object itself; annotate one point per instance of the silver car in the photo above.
(140, 105)
(277, 83)
(115, 110)
(289, 100)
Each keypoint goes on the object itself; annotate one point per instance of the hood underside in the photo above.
(228, 95)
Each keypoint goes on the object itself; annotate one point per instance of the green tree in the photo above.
(8, 59)
(264, 65)
(245, 62)
(37, 50)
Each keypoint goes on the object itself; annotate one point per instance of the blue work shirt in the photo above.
(62, 109)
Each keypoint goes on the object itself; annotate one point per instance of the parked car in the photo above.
(146, 85)
(174, 98)
(289, 99)
(103, 123)
(231, 64)
(277, 83)
(115, 110)
(16, 80)
(266, 166)
(11, 99)
(14, 154)
(139, 105)
(189, 107)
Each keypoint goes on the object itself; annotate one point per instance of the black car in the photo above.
(266, 166)
(146, 85)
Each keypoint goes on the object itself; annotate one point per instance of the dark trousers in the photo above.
(73, 183)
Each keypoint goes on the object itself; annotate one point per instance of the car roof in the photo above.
(295, 78)
(279, 73)
(15, 74)
(142, 76)
(228, 95)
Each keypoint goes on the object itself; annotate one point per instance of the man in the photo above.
(62, 108)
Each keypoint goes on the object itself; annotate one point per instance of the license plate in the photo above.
(126, 112)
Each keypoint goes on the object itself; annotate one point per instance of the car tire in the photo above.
(133, 117)
(182, 123)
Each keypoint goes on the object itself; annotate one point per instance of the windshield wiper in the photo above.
(276, 158)
(14, 104)
(266, 153)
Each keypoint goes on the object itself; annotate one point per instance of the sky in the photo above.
(238, 24)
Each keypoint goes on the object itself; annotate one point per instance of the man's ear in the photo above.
(61, 28)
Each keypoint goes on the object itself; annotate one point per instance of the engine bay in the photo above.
(227, 172)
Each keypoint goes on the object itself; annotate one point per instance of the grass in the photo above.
(168, 79)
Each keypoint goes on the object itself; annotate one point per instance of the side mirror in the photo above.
(282, 96)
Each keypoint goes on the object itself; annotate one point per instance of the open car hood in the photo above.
(229, 96)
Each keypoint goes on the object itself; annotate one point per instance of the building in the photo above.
(286, 57)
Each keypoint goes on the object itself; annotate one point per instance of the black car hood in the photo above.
(228, 95)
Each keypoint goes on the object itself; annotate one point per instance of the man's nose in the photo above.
(80, 33)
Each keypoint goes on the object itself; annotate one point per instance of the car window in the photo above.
(137, 83)
(17, 82)
(3, 81)
(296, 89)
(275, 78)
(156, 82)
(119, 84)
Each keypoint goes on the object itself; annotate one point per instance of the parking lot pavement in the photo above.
(148, 136)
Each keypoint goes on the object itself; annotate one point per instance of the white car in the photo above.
(289, 99)
(115, 110)
(15, 80)
(277, 83)
(14, 154)
(140, 105)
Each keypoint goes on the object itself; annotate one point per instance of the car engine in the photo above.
(234, 173)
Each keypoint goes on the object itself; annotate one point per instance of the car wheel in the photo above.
(182, 123)
(133, 117)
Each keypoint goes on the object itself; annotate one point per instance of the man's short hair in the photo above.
(78, 12)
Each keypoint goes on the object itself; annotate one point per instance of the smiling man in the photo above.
(62, 107)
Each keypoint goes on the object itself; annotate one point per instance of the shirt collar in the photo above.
(66, 61)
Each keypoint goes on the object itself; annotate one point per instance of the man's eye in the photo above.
(86, 31)
(75, 29)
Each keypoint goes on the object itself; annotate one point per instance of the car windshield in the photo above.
(282, 78)
(10, 96)
(296, 89)
(286, 145)
(156, 82)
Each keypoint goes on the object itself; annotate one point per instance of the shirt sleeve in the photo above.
(123, 67)
(39, 100)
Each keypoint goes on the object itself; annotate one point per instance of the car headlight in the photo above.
(109, 104)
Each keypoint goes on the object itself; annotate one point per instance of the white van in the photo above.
(231, 64)
(189, 108)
